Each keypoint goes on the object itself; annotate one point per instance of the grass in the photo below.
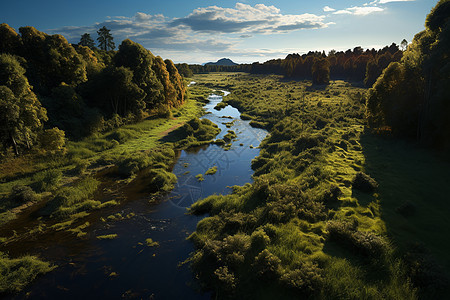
(16, 273)
(302, 229)
(70, 185)
(211, 171)
(107, 236)
(150, 243)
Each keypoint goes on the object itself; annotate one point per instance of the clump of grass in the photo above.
(46, 180)
(16, 273)
(211, 171)
(150, 243)
(199, 177)
(229, 136)
(197, 131)
(364, 182)
(70, 200)
(107, 236)
(220, 105)
(22, 194)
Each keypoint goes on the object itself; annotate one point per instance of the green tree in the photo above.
(115, 93)
(412, 96)
(105, 39)
(140, 61)
(87, 41)
(51, 60)
(9, 40)
(53, 141)
(321, 71)
(21, 113)
(177, 81)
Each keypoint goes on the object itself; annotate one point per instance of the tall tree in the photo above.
(87, 41)
(105, 39)
(321, 71)
(21, 113)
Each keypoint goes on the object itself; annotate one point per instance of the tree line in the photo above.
(51, 88)
(354, 64)
(411, 98)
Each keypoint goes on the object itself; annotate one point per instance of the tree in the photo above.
(321, 71)
(404, 44)
(21, 113)
(105, 39)
(9, 39)
(140, 61)
(87, 41)
(51, 60)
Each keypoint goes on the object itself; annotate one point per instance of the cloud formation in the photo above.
(328, 9)
(359, 10)
(244, 18)
(388, 1)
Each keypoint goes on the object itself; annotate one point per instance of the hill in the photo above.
(223, 62)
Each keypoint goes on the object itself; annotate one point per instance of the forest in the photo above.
(346, 195)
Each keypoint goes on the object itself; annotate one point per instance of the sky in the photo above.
(199, 31)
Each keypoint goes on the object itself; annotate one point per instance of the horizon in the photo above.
(243, 31)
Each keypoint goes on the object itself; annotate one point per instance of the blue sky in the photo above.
(199, 31)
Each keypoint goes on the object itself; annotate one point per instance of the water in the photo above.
(126, 267)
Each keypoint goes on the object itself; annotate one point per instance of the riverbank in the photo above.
(60, 198)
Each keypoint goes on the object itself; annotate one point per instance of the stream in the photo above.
(126, 267)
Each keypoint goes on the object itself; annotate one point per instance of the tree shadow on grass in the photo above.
(414, 189)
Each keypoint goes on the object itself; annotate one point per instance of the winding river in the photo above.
(126, 267)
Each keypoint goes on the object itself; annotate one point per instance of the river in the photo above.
(126, 267)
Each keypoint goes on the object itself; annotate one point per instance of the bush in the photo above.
(47, 180)
(267, 265)
(306, 279)
(22, 194)
(53, 141)
(364, 182)
(366, 243)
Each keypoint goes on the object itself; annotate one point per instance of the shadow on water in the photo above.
(126, 266)
(414, 196)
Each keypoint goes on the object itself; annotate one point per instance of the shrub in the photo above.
(364, 182)
(47, 180)
(306, 278)
(53, 141)
(267, 265)
(22, 194)
(366, 243)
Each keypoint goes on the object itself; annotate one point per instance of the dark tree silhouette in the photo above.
(105, 39)
(87, 41)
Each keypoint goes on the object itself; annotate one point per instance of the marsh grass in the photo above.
(301, 225)
(16, 273)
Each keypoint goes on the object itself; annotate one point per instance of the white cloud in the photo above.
(388, 1)
(328, 9)
(214, 30)
(244, 18)
(359, 10)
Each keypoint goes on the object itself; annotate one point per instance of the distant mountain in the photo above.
(223, 62)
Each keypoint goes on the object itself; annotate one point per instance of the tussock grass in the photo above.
(302, 229)
(16, 273)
